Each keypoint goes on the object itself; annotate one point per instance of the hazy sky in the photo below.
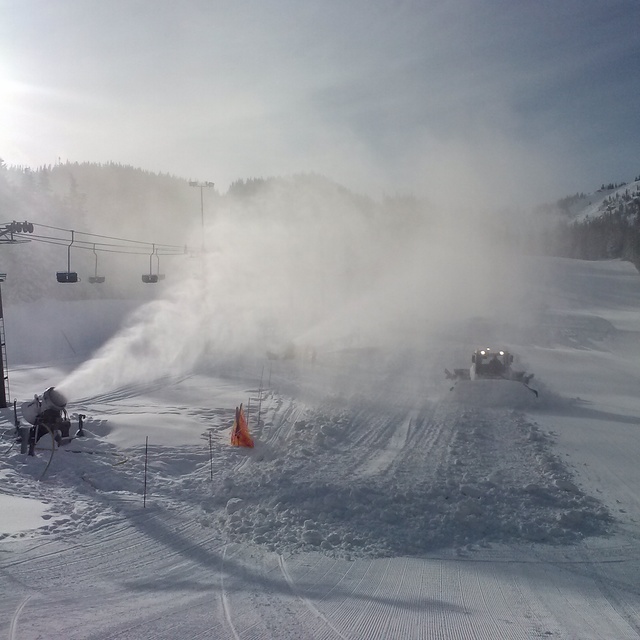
(437, 97)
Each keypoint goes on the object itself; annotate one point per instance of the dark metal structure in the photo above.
(4, 369)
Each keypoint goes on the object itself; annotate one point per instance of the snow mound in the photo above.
(446, 477)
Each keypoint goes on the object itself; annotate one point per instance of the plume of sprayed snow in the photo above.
(314, 269)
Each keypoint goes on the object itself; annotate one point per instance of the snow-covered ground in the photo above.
(377, 503)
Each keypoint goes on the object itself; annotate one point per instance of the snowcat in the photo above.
(490, 364)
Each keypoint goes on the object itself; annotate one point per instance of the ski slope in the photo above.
(377, 503)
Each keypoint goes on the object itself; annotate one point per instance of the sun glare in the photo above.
(18, 118)
(8, 108)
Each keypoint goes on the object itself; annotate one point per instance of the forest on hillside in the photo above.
(613, 233)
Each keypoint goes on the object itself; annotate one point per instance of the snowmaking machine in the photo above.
(490, 364)
(47, 414)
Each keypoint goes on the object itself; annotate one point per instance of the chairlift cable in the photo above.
(97, 235)
(169, 250)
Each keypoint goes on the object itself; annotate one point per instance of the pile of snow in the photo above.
(490, 478)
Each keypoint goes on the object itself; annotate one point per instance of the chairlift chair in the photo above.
(95, 278)
(150, 278)
(68, 276)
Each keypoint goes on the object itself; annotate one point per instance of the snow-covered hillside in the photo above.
(377, 502)
(595, 204)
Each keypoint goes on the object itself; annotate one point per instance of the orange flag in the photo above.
(240, 436)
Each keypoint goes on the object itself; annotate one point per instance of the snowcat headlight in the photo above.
(502, 353)
(482, 353)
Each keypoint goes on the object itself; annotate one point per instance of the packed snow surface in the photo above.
(379, 501)
(19, 513)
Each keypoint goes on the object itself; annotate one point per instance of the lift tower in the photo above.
(10, 233)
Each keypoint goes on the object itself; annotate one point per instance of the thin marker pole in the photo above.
(260, 397)
(146, 455)
(210, 455)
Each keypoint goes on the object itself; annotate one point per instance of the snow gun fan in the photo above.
(485, 381)
(47, 414)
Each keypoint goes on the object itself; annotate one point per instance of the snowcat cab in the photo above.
(490, 364)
